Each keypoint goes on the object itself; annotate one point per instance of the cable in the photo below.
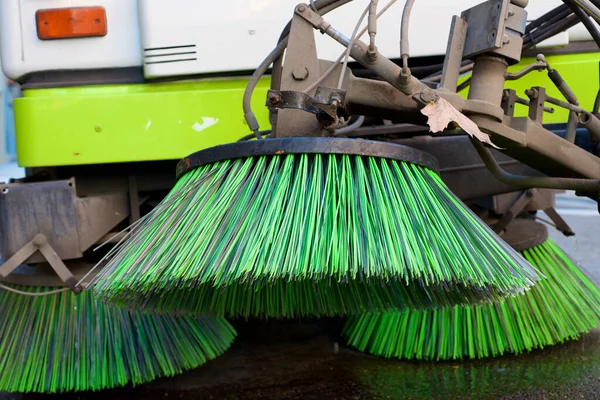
(404, 34)
(589, 8)
(350, 44)
(546, 17)
(563, 25)
(335, 64)
(9, 289)
(264, 134)
(463, 85)
(352, 127)
(587, 21)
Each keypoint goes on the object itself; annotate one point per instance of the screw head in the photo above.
(301, 8)
(300, 73)
(98, 128)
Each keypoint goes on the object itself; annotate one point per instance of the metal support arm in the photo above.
(40, 243)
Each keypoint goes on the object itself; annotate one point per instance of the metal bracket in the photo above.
(559, 222)
(300, 61)
(454, 54)
(537, 98)
(519, 205)
(324, 104)
(495, 27)
(40, 243)
(510, 98)
(533, 199)
(486, 27)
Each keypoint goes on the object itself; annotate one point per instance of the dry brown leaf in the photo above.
(440, 113)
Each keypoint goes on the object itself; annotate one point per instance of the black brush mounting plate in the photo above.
(302, 145)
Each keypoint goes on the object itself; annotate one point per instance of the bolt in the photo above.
(301, 8)
(335, 100)
(300, 73)
(531, 93)
(505, 39)
(39, 240)
(273, 98)
(371, 56)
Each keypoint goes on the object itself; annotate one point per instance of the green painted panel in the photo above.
(123, 123)
(144, 122)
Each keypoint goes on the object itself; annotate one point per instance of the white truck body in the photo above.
(182, 37)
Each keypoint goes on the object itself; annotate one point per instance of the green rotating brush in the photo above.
(309, 227)
(63, 342)
(558, 308)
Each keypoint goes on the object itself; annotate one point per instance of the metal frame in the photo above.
(398, 94)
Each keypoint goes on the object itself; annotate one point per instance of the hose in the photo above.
(589, 24)
(589, 8)
(404, 34)
(352, 127)
(546, 17)
(583, 185)
(258, 73)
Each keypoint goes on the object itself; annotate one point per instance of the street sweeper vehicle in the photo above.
(190, 164)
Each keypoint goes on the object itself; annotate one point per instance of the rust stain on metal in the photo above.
(279, 152)
(187, 162)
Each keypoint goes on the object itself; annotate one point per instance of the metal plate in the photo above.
(43, 207)
(266, 147)
(485, 27)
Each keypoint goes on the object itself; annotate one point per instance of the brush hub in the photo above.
(523, 234)
(277, 146)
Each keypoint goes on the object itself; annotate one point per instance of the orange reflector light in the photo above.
(63, 23)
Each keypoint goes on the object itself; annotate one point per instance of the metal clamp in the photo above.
(40, 243)
(324, 104)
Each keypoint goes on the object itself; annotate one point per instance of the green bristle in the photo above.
(66, 342)
(561, 307)
(318, 235)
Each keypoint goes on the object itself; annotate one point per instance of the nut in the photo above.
(300, 73)
(273, 98)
